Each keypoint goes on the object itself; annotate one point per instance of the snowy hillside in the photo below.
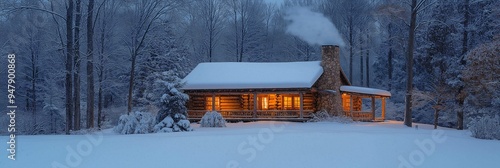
(263, 144)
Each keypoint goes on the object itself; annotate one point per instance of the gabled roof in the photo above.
(248, 75)
(365, 90)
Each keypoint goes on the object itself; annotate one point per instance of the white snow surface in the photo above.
(365, 90)
(251, 75)
(261, 144)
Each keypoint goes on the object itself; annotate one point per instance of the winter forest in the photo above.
(80, 64)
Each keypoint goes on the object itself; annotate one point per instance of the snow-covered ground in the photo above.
(262, 144)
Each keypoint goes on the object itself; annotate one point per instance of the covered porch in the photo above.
(252, 105)
(352, 103)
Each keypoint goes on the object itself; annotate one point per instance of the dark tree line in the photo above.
(412, 48)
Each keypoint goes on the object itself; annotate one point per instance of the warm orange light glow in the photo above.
(291, 102)
(287, 102)
(346, 102)
(296, 102)
(209, 103)
(265, 103)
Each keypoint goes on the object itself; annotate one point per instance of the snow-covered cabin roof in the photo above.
(365, 90)
(248, 75)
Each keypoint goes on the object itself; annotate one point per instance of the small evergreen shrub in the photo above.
(212, 119)
(485, 128)
(135, 123)
(173, 124)
(323, 115)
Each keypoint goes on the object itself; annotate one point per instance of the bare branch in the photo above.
(427, 6)
(39, 9)
(419, 4)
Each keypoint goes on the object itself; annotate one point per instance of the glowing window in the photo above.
(346, 101)
(291, 102)
(296, 103)
(264, 103)
(287, 102)
(209, 103)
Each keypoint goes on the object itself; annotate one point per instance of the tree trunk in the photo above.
(367, 61)
(351, 55)
(460, 119)
(90, 65)
(465, 42)
(235, 12)
(460, 113)
(211, 11)
(34, 76)
(69, 66)
(78, 17)
(465, 25)
(390, 56)
(409, 64)
(361, 70)
(146, 21)
(436, 115)
(99, 102)
(101, 71)
(131, 82)
(243, 34)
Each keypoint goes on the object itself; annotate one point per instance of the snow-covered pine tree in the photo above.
(164, 53)
(171, 102)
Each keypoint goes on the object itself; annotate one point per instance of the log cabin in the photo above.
(290, 91)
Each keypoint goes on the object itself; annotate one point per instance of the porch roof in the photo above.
(365, 90)
(251, 75)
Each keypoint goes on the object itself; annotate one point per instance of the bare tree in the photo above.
(461, 92)
(106, 13)
(145, 14)
(234, 9)
(414, 9)
(368, 59)
(213, 16)
(409, 63)
(248, 17)
(391, 14)
(77, 62)
(437, 96)
(69, 66)
(90, 65)
(352, 15)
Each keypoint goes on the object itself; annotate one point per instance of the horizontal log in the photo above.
(230, 97)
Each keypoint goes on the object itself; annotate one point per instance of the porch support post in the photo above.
(351, 104)
(213, 101)
(383, 108)
(373, 108)
(255, 105)
(301, 104)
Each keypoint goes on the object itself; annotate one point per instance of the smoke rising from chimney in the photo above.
(312, 27)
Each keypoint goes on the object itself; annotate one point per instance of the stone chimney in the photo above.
(328, 84)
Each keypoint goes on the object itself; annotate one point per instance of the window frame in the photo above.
(260, 100)
(293, 104)
(208, 104)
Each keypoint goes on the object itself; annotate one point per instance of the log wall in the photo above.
(245, 102)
